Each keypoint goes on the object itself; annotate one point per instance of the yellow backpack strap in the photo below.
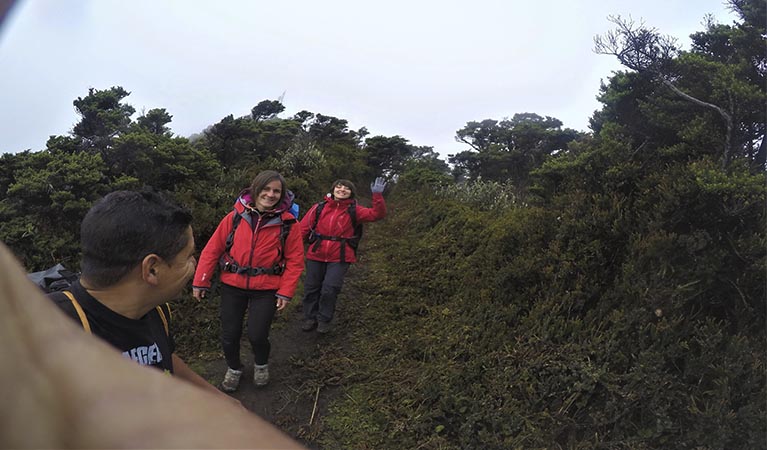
(164, 319)
(80, 312)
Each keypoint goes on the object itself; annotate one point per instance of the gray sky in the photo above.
(418, 69)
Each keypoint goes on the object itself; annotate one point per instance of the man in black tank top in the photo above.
(137, 254)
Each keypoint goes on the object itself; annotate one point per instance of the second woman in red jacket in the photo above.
(333, 235)
(260, 256)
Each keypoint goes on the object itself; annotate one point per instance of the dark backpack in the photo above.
(354, 241)
(56, 278)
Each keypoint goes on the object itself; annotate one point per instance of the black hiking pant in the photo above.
(321, 288)
(261, 306)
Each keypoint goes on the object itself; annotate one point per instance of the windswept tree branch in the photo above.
(644, 50)
(725, 115)
(467, 142)
(636, 46)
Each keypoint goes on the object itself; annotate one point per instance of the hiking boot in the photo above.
(323, 327)
(260, 374)
(308, 325)
(231, 380)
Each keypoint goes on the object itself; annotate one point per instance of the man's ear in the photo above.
(150, 269)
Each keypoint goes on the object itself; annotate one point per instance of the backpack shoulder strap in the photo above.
(286, 224)
(87, 325)
(80, 312)
(352, 210)
(163, 318)
(236, 218)
(284, 232)
(317, 212)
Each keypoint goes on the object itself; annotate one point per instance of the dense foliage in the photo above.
(556, 289)
(591, 320)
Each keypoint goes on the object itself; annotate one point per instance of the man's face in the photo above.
(181, 268)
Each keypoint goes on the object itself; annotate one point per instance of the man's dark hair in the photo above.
(264, 178)
(124, 227)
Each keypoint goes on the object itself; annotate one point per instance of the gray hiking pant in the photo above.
(321, 288)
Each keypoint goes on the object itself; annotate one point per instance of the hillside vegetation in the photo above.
(547, 288)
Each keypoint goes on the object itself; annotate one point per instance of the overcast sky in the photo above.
(420, 69)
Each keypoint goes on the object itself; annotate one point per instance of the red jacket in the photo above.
(336, 221)
(256, 244)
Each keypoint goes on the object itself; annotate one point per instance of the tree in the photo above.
(328, 128)
(243, 142)
(43, 205)
(742, 47)
(511, 148)
(424, 167)
(155, 121)
(267, 109)
(730, 83)
(64, 144)
(304, 118)
(103, 116)
(387, 155)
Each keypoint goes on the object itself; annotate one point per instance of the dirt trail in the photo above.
(291, 401)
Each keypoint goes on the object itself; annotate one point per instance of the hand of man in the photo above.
(281, 303)
(378, 186)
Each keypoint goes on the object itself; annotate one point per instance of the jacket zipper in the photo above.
(253, 240)
(336, 209)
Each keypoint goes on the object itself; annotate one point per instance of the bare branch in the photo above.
(636, 46)
(467, 142)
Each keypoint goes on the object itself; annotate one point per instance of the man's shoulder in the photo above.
(163, 314)
(163, 311)
(73, 300)
(60, 299)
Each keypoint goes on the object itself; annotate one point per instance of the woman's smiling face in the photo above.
(269, 196)
(341, 192)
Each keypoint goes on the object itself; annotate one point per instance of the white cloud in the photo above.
(419, 69)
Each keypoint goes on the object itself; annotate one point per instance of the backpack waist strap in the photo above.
(233, 267)
(317, 238)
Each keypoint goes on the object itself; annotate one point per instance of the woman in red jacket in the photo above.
(333, 234)
(261, 257)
